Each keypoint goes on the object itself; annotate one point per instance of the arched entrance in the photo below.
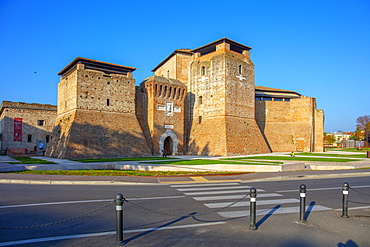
(167, 145)
(168, 141)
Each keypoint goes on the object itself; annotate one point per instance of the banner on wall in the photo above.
(17, 129)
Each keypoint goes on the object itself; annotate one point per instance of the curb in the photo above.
(279, 178)
(52, 182)
(319, 176)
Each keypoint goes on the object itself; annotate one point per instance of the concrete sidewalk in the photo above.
(256, 173)
(120, 180)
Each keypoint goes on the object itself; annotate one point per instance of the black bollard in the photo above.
(302, 208)
(119, 219)
(253, 195)
(345, 200)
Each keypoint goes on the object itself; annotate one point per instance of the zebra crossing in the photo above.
(221, 195)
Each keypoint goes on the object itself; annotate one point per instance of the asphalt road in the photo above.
(154, 215)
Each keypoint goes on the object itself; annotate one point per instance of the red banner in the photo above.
(17, 129)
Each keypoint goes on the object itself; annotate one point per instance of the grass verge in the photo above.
(122, 159)
(300, 158)
(28, 160)
(207, 162)
(121, 173)
(333, 155)
(348, 149)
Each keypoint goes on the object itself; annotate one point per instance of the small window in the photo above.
(47, 138)
(29, 138)
(107, 102)
(267, 99)
(287, 100)
(278, 99)
(203, 70)
(108, 82)
(199, 119)
(257, 98)
(240, 69)
(40, 122)
(200, 100)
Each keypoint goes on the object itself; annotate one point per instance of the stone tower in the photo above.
(96, 112)
(161, 114)
(220, 104)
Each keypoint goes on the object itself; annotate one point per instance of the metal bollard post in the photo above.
(345, 200)
(119, 219)
(302, 209)
(253, 195)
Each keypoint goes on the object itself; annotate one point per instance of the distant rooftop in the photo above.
(234, 46)
(211, 47)
(275, 92)
(108, 68)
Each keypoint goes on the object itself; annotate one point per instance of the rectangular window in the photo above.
(267, 99)
(40, 122)
(107, 102)
(29, 138)
(199, 119)
(47, 138)
(287, 100)
(278, 99)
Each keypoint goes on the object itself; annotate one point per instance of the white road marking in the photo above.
(87, 201)
(350, 208)
(39, 240)
(209, 198)
(200, 185)
(285, 210)
(215, 188)
(245, 204)
(332, 188)
(216, 192)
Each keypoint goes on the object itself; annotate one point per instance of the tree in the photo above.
(329, 138)
(363, 123)
(358, 135)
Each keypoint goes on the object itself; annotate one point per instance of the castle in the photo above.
(200, 102)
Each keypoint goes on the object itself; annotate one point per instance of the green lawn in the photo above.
(300, 158)
(28, 160)
(348, 149)
(120, 173)
(333, 155)
(122, 159)
(256, 161)
(206, 162)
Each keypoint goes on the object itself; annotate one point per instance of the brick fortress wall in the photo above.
(96, 115)
(294, 125)
(163, 113)
(221, 104)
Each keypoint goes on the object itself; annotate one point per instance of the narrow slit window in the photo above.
(199, 119)
(29, 138)
(203, 70)
(240, 69)
(200, 100)
(107, 102)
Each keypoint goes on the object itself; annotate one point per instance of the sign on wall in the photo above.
(17, 129)
(169, 108)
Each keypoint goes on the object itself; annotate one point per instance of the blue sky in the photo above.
(317, 48)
